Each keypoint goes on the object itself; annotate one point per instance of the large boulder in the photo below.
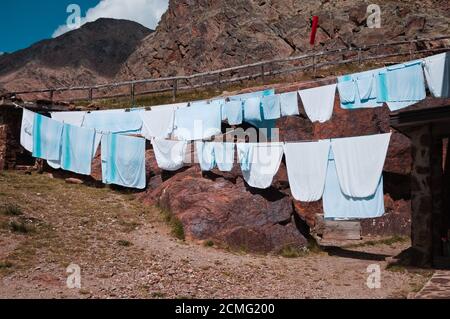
(230, 214)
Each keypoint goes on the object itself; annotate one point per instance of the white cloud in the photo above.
(145, 12)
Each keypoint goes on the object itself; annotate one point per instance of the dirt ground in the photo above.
(127, 250)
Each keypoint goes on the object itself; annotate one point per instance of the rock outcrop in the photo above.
(196, 36)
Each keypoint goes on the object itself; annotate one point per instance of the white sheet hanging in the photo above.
(337, 205)
(307, 167)
(72, 118)
(157, 123)
(26, 130)
(437, 73)
(265, 162)
(319, 102)
(169, 154)
(359, 163)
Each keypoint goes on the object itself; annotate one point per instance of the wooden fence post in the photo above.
(132, 94)
(359, 56)
(262, 73)
(51, 95)
(174, 89)
(90, 95)
(314, 65)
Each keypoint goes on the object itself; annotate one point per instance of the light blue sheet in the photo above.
(244, 151)
(198, 122)
(47, 135)
(350, 86)
(233, 112)
(224, 156)
(77, 149)
(338, 205)
(123, 160)
(271, 107)
(401, 83)
(289, 103)
(252, 109)
(259, 94)
(205, 155)
(114, 121)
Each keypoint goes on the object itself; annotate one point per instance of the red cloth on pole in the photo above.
(315, 24)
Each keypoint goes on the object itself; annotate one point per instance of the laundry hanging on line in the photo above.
(200, 121)
(75, 118)
(260, 94)
(319, 102)
(336, 204)
(78, 149)
(26, 130)
(169, 154)
(123, 160)
(47, 134)
(359, 162)
(437, 74)
(359, 90)
(271, 107)
(157, 123)
(205, 155)
(306, 165)
(233, 112)
(261, 163)
(215, 154)
(401, 85)
(289, 104)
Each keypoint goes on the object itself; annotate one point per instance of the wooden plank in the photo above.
(342, 230)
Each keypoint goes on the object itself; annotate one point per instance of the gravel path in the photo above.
(126, 250)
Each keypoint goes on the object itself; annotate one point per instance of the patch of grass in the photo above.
(177, 228)
(396, 268)
(208, 243)
(314, 247)
(385, 241)
(11, 210)
(6, 265)
(292, 252)
(158, 294)
(20, 227)
(124, 243)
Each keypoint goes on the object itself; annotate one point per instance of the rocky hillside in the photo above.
(202, 35)
(92, 54)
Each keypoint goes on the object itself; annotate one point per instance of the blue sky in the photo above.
(24, 22)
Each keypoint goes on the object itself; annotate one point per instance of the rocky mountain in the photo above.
(202, 35)
(89, 55)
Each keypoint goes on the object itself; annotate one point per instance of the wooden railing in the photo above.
(264, 69)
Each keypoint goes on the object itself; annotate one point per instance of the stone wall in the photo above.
(12, 153)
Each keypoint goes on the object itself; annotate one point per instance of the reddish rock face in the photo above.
(196, 36)
(228, 213)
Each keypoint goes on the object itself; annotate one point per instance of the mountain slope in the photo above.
(202, 35)
(92, 54)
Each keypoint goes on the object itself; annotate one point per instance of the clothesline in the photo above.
(346, 171)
